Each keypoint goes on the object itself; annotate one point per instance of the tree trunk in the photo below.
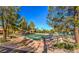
(4, 34)
(7, 28)
(76, 32)
(7, 32)
(76, 35)
(4, 30)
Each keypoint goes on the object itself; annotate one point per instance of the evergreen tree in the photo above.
(8, 16)
(69, 19)
(23, 24)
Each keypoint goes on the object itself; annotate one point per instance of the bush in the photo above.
(59, 45)
(68, 46)
(77, 46)
(2, 41)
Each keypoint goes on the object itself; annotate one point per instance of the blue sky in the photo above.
(37, 14)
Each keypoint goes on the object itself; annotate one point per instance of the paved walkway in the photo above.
(20, 45)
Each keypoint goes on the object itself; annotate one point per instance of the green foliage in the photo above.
(43, 31)
(2, 41)
(67, 46)
(23, 24)
(8, 17)
(63, 24)
(76, 46)
(59, 45)
(32, 25)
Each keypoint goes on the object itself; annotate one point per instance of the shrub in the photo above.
(2, 41)
(59, 45)
(77, 46)
(67, 46)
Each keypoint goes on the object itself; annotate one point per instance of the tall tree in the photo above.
(23, 24)
(32, 25)
(8, 15)
(76, 23)
(67, 12)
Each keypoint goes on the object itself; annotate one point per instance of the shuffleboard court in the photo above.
(36, 36)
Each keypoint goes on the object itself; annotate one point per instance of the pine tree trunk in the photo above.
(76, 32)
(76, 35)
(4, 30)
(7, 28)
(4, 35)
(8, 33)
